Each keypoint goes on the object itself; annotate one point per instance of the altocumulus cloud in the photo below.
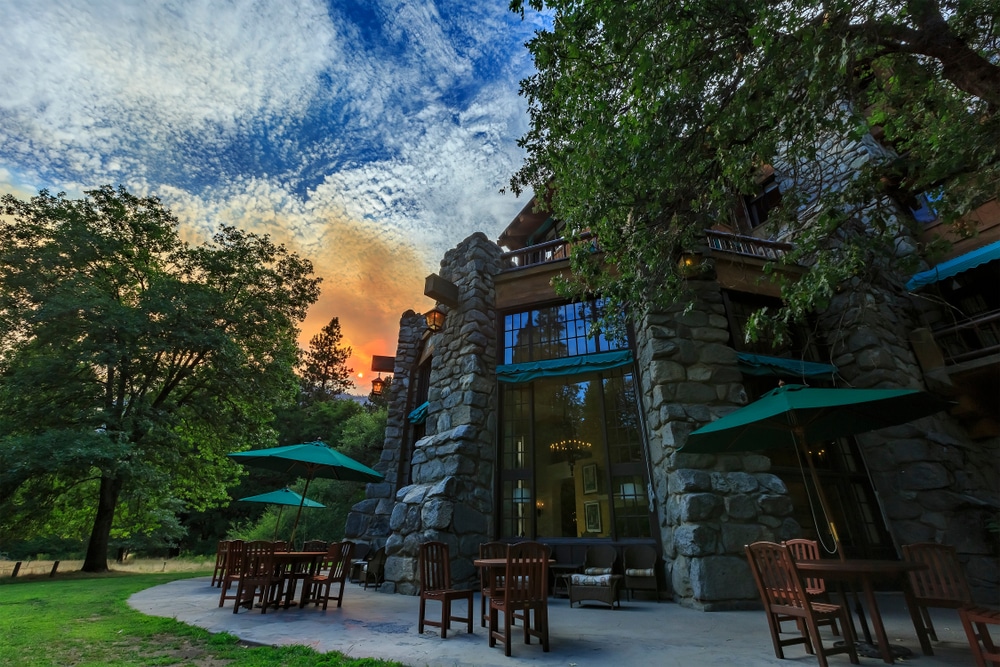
(367, 136)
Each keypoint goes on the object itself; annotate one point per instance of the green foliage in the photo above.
(131, 362)
(324, 365)
(648, 118)
(88, 622)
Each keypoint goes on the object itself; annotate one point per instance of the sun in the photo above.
(360, 375)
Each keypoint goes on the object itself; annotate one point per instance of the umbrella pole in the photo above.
(291, 540)
(277, 523)
(825, 506)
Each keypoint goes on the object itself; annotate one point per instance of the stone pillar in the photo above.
(450, 498)
(711, 505)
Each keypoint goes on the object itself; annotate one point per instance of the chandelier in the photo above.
(570, 450)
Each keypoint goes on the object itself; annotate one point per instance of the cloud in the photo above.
(368, 137)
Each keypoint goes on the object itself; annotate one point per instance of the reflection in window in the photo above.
(576, 443)
(555, 332)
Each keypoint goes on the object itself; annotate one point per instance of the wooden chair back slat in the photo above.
(803, 549)
(943, 583)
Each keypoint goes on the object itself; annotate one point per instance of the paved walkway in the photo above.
(642, 632)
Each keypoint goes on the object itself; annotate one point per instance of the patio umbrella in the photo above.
(796, 415)
(281, 497)
(308, 460)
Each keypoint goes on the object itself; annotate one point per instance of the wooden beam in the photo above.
(441, 290)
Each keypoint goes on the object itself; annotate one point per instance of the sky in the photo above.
(369, 136)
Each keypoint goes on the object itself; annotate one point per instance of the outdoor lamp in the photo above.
(435, 318)
(378, 385)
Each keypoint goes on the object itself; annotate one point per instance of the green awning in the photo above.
(585, 363)
(759, 364)
(419, 416)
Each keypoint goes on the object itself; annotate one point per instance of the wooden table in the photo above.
(295, 565)
(868, 573)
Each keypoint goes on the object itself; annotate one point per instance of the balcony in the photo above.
(746, 246)
(969, 340)
(543, 253)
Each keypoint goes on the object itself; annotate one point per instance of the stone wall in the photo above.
(935, 484)
(450, 498)
(708, 506)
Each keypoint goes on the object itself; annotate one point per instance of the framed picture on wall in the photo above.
(590, 478)
(592, 515)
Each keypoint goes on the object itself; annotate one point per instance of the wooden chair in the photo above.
(490, 579)
(220, 562)
(975, 621)
(639, 561)
(257, 579)
(333, 569)
(597, 581)
(803, 549)
(783, 593)
(526, 592)
(435, 585)
(942, 584)
(375, 572)
(232, 569)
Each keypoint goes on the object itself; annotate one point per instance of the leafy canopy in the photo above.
(647, 117)
(130, 358)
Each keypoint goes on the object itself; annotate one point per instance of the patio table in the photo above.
(867, 573)
(292, 566)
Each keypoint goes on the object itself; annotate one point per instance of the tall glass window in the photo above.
(572, 455)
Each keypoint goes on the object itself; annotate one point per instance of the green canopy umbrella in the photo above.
(796, 415)
(281, 497)
(308, 460)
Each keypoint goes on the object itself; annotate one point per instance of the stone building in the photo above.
(514, 421)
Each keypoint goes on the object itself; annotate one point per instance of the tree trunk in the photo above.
(100, 536)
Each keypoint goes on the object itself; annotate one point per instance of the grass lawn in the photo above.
(78, 619)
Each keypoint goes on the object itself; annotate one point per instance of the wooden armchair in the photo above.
(597, 581)
(783, 593)
(435, 584)
(490, 579)
(640, 569)
(333, 569)
(526, 594)
(942, 584)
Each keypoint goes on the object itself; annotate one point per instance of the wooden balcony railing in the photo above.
(974, 338)
(542, 253)
(748, 246)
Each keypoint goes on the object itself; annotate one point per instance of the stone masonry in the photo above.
(450, 498)
(710, 506)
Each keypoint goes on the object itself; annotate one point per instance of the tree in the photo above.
(135, 360)
(324, 366)
(648, 117)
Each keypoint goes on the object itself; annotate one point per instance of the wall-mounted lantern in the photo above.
(378, 385)
(435, 318)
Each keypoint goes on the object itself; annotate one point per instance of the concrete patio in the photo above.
(380, 625)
